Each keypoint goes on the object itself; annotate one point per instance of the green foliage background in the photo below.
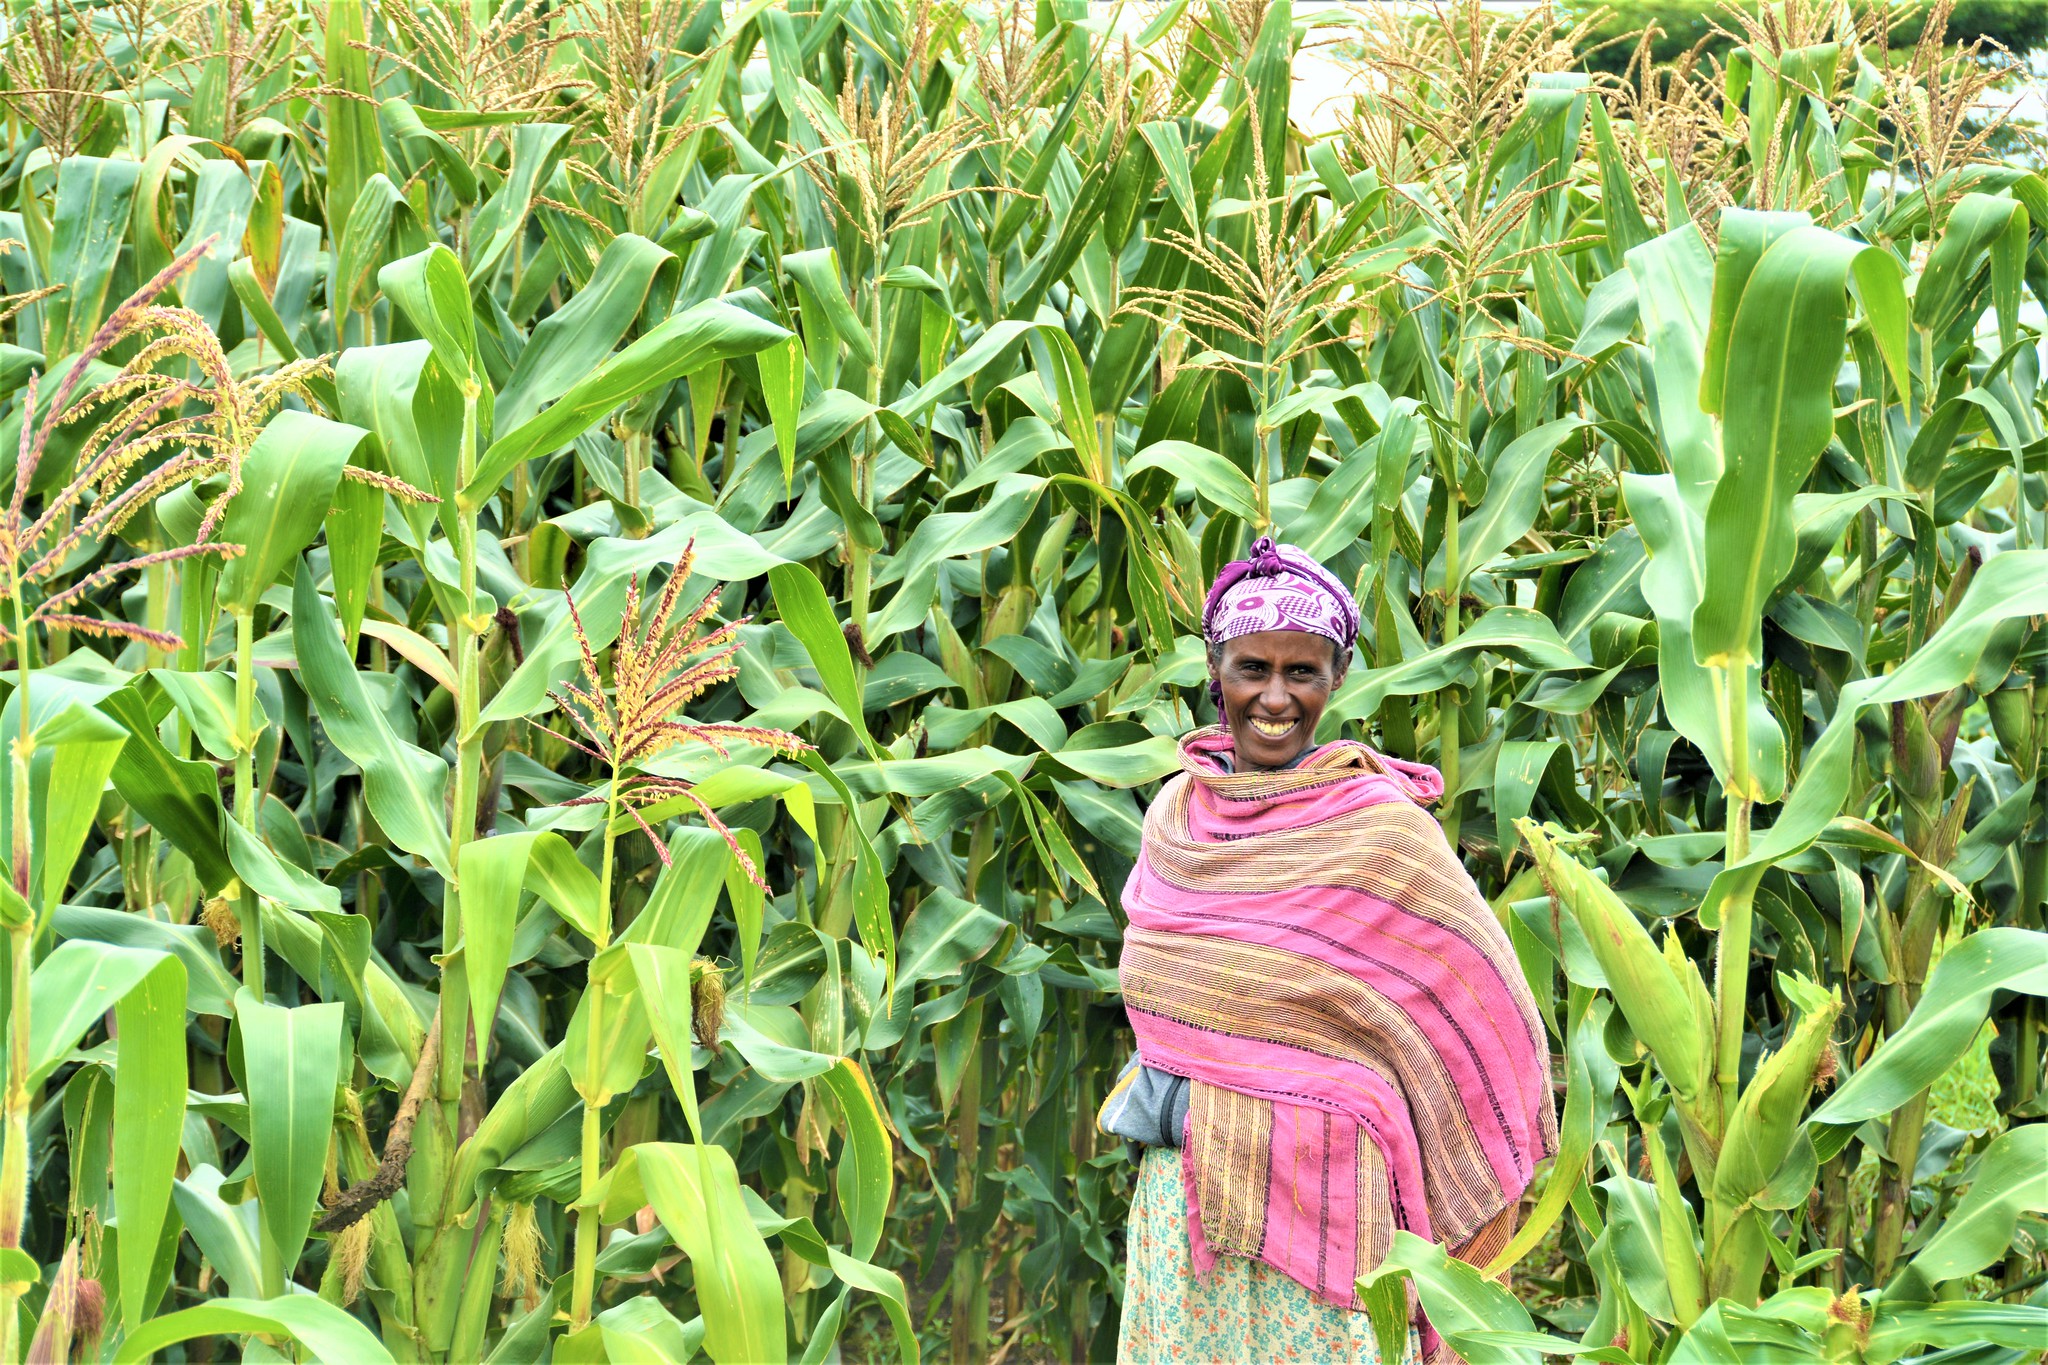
(2019, 26)
(586, 651)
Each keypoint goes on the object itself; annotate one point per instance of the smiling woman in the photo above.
(1334, 1041)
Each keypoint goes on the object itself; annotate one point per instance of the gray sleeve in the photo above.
(1146, 1106)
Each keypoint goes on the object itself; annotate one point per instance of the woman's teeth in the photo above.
(1271, 729)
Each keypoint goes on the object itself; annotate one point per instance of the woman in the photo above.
(1334, 1038)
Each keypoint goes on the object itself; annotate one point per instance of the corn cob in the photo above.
(1655, 1000)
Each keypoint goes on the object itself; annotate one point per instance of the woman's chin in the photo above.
(1261, 751)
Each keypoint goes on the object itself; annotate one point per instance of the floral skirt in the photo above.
(1244, 1312)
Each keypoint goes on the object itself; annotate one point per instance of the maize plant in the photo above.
(595, 590)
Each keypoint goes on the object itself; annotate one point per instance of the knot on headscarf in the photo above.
(1280, 587)
(1265, 561)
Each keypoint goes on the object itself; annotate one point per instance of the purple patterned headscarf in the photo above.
(1279, 588)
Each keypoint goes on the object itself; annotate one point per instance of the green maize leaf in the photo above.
(1611, 581)
(291, 1060)
(1060, 359)
(1947, 1019)
(209, 989)
(2009, 585)
(402, 783)
(1521, 766)
(1635, 1230)
(2004, 1183)
(749, 901)
(866, 1181)
(1818, 520)
(782, 386)
(940, 939)
(997, 341)
(77, 775)
(1055, 850)
(88, 223)
(702, 335)
(536, 149)
(1514, 495)
(554, 874)
(817, 274)
(1674, 584)
(354, 151)
(1626, 227)
(1362, 492)
(695, 1191)
(408, 400)
(355, 535)
(1526, 637)
(1677, 288)
(1461, 1303)
(642, 1332)
(81, 981)
(1216, 478)
(541, 1096)
(606, 1044)
(429, 289)
(944, 536)
(405, 126)
(1977, 224)
(1590, 1076)
(265, 874)
(2020, 1326)
(686, 893)
(870, 886)
(885, 1285)
(288, 480)
(179, 798)
(1934, 441)
(1744, 238)
(259, 310)
(379, 217)
(808, 613)
(222, 196)
(492, 873)
(149, 1119)
(226, 1234)
(570, 342)
(326, 1331)
(1781, 345)
(1717, 1332)
(664, 977)
(773, 1040)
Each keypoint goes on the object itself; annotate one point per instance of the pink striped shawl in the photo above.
(1305, 948)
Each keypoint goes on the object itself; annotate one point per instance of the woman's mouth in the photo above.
(1272, 729)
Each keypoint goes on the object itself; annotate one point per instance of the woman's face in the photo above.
(1275, 686)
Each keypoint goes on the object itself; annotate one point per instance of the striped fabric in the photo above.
(1363, 1051)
